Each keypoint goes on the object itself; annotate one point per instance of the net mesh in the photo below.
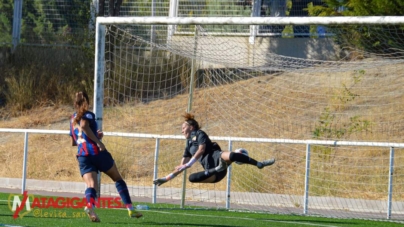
(329, 88)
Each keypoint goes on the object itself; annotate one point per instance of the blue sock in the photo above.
(91, 196)
(124, 193)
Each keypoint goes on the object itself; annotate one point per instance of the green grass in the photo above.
(169, 217)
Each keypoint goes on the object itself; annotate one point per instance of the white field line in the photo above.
(251, 219)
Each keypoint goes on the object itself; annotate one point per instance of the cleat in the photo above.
(134, 214)
(91, 214)
(268, 162)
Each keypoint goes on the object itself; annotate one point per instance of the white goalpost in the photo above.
(329, 107)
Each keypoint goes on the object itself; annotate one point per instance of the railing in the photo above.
(157, 137)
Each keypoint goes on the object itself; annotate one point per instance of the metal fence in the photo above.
(69, 22)
(308, 143)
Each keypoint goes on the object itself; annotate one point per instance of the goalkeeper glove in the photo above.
(160, 181)
(163, 180)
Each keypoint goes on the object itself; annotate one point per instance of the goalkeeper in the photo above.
(213, 160)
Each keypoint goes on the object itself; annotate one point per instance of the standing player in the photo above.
(214, 161)
(93, 157)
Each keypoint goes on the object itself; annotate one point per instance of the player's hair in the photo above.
(189, 119)
(81, 103)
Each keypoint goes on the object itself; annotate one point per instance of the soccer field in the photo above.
(166, 217)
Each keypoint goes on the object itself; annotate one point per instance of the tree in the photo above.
(358, 8)
(377, 39)
(6, 22)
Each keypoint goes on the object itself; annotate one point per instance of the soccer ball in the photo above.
(241, 151)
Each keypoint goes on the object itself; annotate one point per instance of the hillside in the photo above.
(286, 105)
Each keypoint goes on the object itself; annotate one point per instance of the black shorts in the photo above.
(102, 162)
(211, 160)
(220, 176)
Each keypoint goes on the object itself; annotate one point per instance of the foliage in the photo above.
(33, 74)
(6, 15)
(375, 7)
(40, 76)
(358, 8)
(328, 128)
(38, 25)
(375, 39)
(174, 68)
(213, 8)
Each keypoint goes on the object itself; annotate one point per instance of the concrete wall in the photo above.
(238, 52)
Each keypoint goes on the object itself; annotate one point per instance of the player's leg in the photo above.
(89, 175)
(202, 177)
(91, 195)
(90, 178)
(205, 177)
(108, 167)
(233, 157)
(215, 169)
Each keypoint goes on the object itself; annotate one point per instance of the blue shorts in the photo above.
(101, 162)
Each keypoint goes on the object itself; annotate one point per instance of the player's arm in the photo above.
(187, 164)
(73, 141)
(170, 176)
(85, 126)
(185, 159)
(100, 134)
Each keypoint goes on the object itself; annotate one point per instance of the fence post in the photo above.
(93, 12)
(256, 11)
(172, 12)
(190, 100)
(155, 174)
(98, 98)
(390, 192)
(16, 23)
(228, 179)
(306, 180)
(24, 164)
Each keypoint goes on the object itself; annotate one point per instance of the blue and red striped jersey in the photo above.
(85, 145)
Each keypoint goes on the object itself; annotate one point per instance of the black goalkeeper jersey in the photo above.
(210, 158)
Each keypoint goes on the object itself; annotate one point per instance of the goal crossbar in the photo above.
(252, 20)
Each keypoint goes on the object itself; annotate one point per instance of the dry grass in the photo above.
(51, 157)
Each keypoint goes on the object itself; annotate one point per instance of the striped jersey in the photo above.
(85, 145)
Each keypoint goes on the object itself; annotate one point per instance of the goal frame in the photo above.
(102, 22)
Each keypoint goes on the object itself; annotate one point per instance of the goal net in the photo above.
(292, 98)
